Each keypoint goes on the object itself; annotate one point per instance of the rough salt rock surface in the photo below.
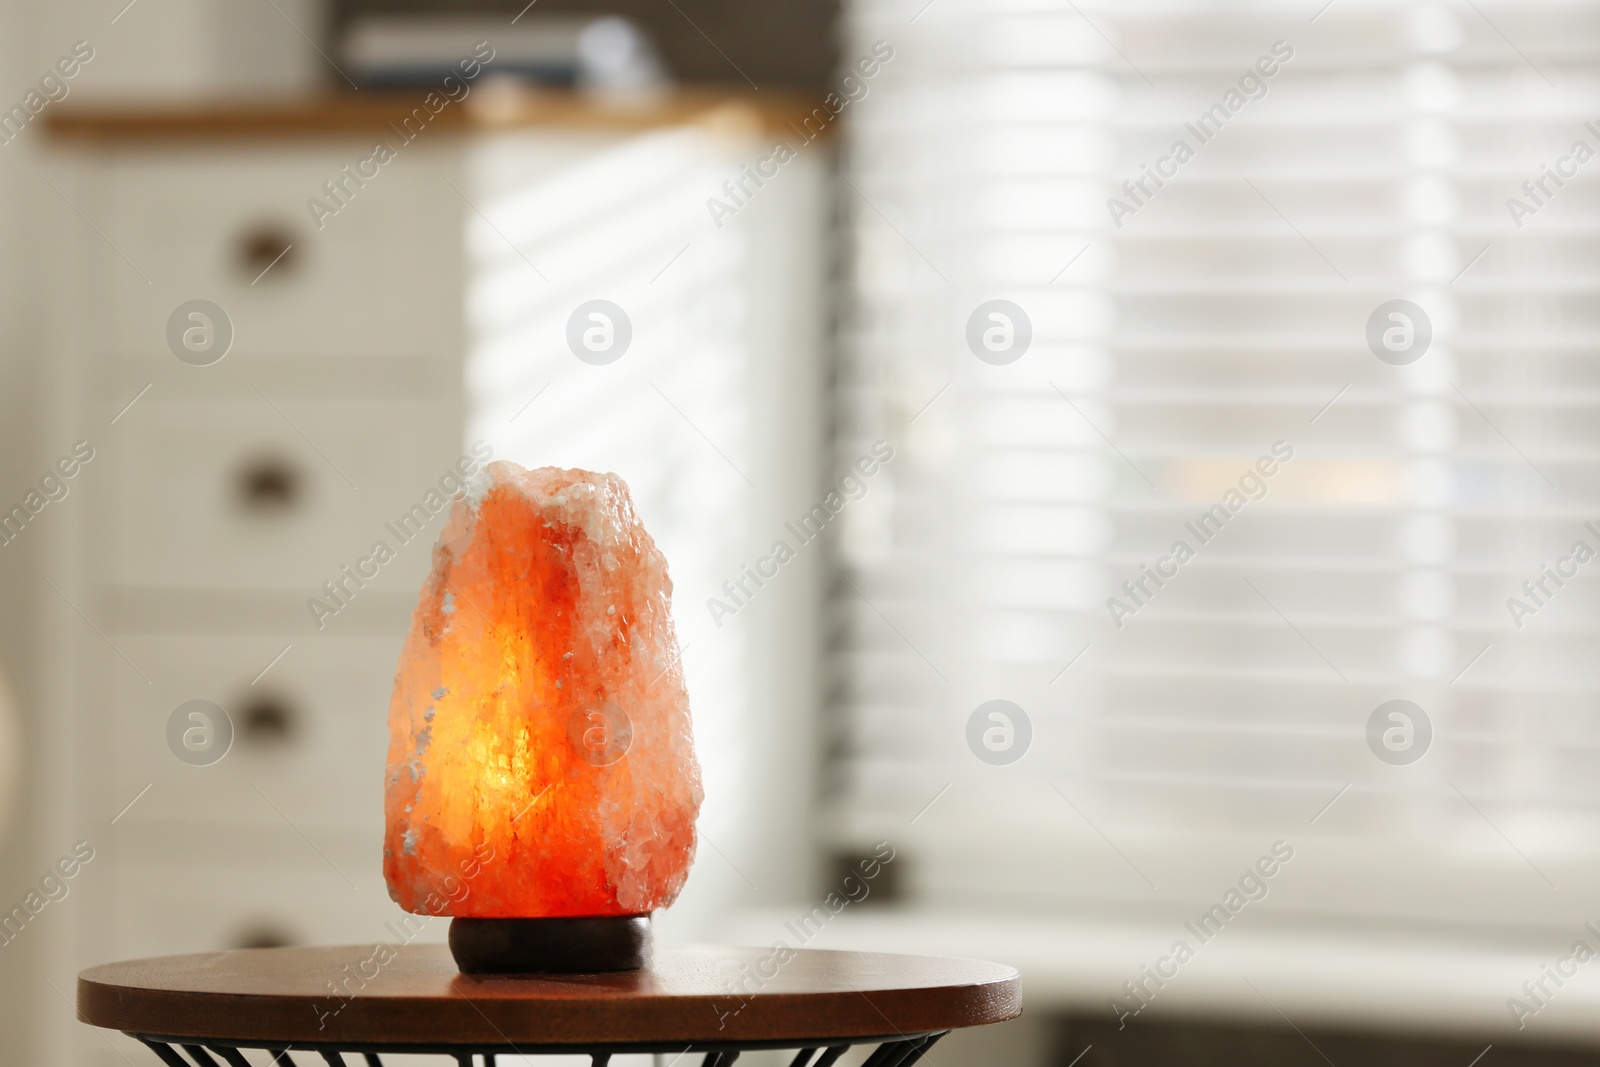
(541, 760)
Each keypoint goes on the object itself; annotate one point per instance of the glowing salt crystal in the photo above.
(541, 760)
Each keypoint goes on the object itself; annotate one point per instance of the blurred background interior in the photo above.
(786, 312)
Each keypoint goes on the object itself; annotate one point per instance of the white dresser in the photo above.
(430, 312)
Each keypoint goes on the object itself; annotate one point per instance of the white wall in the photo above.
(185, 48)
(22, 58)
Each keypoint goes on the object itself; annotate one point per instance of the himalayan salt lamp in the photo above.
(542, 785)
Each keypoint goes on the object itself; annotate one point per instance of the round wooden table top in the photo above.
(412, 995)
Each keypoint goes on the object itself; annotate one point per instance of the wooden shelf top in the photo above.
(416, 996)
(488, 108)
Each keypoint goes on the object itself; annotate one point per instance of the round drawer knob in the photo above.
(267, 721)
(266, 252)
(262, 935)
(269, 485)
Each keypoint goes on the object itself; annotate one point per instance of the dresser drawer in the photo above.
(310, 737)
(380, 276)
(253, 493)
(166, 910)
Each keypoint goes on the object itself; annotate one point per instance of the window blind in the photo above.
(1192, 318)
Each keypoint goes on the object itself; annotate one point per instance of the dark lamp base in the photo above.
(551, 946)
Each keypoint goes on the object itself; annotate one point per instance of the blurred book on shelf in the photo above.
(606, 53)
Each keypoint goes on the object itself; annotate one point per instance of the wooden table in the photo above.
(411, 999)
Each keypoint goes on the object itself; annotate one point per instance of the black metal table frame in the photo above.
(898, 1050)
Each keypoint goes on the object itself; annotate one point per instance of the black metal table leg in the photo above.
(200, 1056)
(234, 1057)
(900, 1050)
(168, 1057)
(927, 1043)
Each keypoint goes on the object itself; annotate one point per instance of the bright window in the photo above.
(1196, 315)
